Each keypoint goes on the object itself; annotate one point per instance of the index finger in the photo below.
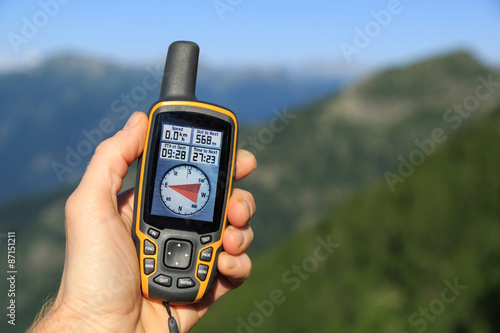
(245, 164)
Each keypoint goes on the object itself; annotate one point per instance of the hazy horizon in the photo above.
(346, 36)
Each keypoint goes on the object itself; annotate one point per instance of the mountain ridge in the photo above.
(381, 261)
(306, 169)
(328, 152)
(59, 102)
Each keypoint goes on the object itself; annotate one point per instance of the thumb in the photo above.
(109, 165)
(94, 200)
(99, 249)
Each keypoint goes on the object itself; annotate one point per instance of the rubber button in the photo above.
(178, 254)
(153, 233)
(149, 266)
(206, 255)
(185, 283)
(149, 248)
(205, 239)
(163, 280)
(202, 272)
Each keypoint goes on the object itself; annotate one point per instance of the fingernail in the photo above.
(239, 238)
(132, 121)
(247, 208)
(249, 154)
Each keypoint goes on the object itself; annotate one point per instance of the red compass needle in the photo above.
(190, 191)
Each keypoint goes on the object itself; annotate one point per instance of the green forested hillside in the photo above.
(396, 248)
(422, 258)
(344, 143)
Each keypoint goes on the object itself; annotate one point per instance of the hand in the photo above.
(100, 284)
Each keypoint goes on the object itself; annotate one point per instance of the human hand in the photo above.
(100, 289)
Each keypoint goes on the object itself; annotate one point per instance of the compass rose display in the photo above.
(185, 189)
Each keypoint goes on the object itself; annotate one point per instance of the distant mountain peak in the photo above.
(424, 77)
(70, 63)
(391, 95)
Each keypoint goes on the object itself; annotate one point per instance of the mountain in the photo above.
(54, 115)
(328, 150)
(422, 258)
(312, 161)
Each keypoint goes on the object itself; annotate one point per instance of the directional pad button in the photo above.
(178, 254)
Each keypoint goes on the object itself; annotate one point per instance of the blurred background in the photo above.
(375, 125)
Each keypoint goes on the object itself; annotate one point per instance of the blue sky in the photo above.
(251, 32)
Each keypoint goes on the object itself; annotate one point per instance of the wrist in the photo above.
(58, 318)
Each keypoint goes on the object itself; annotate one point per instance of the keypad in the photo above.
(178, 254)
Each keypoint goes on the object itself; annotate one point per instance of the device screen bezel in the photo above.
(198, 120)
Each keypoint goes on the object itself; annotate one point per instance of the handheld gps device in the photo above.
(183, 183)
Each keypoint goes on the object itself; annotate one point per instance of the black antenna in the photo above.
(179, 76)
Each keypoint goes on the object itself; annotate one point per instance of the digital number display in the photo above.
(205, 155)
(173, 151)
(204, 145)
(207, 138)
(179, 134)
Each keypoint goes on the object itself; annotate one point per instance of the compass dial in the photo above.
(185, 189)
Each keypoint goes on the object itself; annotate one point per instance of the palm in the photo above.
(100, 284)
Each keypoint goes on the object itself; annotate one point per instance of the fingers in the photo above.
(241, 207)
(237, 240)
(236, 269)
(234, 264)
(245, 164)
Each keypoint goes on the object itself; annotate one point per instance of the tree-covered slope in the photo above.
(309, 161)
(332, 148)
(422, 258)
